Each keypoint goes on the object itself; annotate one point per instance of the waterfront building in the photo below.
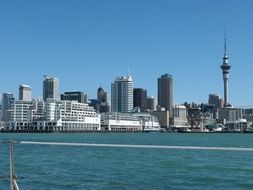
(149, 122)
(179, 111)
(230, 114)
(140, 98)
(25, 93)
(115, 121)
(72, 116)
(165, 92)
(122, 94)
(57, 116)
(38, 113)
(74, 96)
(50, 88)
(248, 114)
(151, 103)
(6, 103)
(225, 71)
(179, 121)
(24, 114)
(180, 115)
(163, 117)
(241, 125)
(21, 111)
(102, 103)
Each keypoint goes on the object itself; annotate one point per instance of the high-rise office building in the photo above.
(25, 93)
(7, 102)
(215, 100)
(151, 103)
(225, 71)
(74, 96)
(165, 93)
(102, 104)
(101, 95)
(140, 98)
(122, 94)
(50, 88)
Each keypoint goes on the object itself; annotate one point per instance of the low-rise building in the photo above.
(163, 117)
(59, 116)
(72, 116)
(180, 120)
(21, 111)
(115, 121)
(241, 125)
(230, 114)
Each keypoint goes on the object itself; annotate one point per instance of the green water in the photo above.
(44, 167)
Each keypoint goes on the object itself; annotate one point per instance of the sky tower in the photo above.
(225, 70)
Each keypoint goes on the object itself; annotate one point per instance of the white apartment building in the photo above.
(21, 115)
(20, 111)
(72, 116)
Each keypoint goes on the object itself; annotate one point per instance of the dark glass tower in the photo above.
(76, 96)
(140, 98)
(165, 92)
(102, 104)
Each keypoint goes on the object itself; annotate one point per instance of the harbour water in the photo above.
(41, 167)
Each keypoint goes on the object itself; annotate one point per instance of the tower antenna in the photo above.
(225, 42)
(128, 71)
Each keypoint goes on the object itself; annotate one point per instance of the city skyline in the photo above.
(87, 44)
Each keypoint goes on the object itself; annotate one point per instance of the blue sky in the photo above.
(87, 43)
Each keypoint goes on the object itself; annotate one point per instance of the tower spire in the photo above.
(225, 43)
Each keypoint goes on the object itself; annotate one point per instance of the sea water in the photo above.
(50, 167)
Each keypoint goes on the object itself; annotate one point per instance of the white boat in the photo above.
(152, 129)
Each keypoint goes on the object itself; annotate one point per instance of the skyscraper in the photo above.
(151, 103)
(165, 93)
(215, 100)
(217, 103)
(102, 105)
(50, 88)
(7, 101)
(101, 95)
(25, 93)
(140, 98)
(122, 94)
(225, 70)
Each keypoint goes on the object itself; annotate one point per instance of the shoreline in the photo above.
(188, 132)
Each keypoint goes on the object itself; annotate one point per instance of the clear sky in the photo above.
(87, 43)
